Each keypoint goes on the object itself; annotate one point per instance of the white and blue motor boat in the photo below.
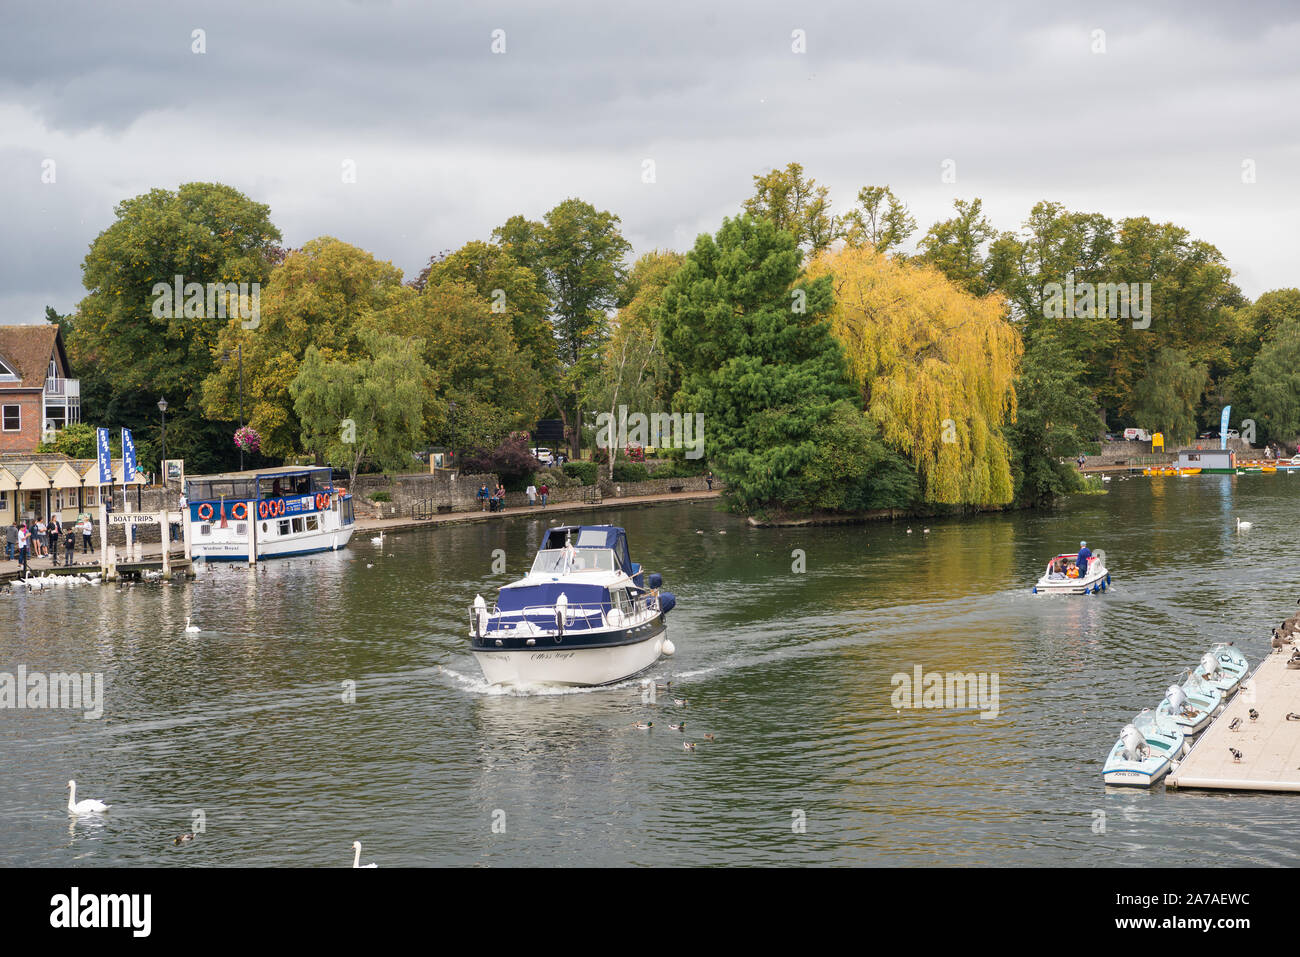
(584, 615)
(1146, 751)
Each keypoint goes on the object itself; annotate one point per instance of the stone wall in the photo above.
(458, 494)
(1139, 453)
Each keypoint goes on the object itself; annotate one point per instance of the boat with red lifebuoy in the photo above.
(266, 513)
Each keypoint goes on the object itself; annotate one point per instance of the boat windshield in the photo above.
(558, 561)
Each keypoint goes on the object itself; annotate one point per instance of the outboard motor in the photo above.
(1177, 699)
(1210, 665)
(480, 616)
(1135, 745)
(561, 607)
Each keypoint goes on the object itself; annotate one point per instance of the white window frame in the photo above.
(4, 417)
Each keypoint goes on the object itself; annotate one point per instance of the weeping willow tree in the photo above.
(935, 367)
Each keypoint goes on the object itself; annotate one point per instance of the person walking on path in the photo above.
(86, 528)
(532, 495)
(53, 530)
(11, 541)
(545, 492)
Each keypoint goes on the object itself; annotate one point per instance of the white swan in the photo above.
(190, 629)
(356, 859)
(1241, 524)
(88, 806)
(378, 539)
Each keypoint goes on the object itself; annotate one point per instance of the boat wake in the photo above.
(480, 686)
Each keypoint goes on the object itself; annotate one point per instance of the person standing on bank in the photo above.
(532, 494)
(709, 480)
(70, 545)
(483, 497)
(545, 492)
(86, 528)
(22, 548)
(53, 529)
(11, 541)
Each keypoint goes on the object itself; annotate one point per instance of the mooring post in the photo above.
(164, 537)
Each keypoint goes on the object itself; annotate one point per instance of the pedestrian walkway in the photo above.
(451, 518)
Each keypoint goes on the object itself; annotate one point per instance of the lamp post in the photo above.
(162, 407)
(452, 407)
(239, 352)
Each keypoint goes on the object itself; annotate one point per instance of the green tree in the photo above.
(957, 246)
(1167, 396)
(1274, 385)
(796, 204)
(880, 220)
(324, 295)
(366, 408)
(1055, 420)
(142, 350)
(578, 254)
(758, 363)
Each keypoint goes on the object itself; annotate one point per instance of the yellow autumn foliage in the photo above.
(935, 366)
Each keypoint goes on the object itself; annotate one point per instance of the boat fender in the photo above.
(654, 580)
(667, 601)
(480, 616)
(561, 606)
(668, 648)
(1035, 589)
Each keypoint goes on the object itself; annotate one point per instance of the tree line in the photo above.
(835, 370)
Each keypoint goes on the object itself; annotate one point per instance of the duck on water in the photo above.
(585, 614)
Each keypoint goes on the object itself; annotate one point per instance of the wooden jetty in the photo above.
(1269, 745)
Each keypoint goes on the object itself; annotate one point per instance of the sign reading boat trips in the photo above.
(132, 518)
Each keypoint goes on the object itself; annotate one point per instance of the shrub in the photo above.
(630, 472)
(585, 472)
(554, 478)
(381, 497)
(510, 461)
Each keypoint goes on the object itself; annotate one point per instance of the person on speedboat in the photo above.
(1058, 569)
(1085, 554)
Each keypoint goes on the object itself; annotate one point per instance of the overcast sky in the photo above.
(450, 139)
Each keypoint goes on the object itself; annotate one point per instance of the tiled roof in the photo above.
(26, 350)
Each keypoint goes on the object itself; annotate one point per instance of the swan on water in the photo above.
(1241, 524)
(88, 806)
(190, 629)
(378, 540)
(356, 858)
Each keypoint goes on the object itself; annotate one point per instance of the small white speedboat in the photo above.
(1231, 660)
(1145, 752)
(1063, 577)
(1212, 672)
(1190, 712)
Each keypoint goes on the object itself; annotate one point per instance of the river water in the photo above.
(246, 723)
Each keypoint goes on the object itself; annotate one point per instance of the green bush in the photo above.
(585, 472)
(381, 497)
(630, 472)
(554, 478)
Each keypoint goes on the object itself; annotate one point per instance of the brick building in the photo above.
(37, 395)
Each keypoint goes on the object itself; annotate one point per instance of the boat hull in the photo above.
(548, 663)
(1072, 586)
(308, 544)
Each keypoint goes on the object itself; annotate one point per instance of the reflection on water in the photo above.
(247, 721)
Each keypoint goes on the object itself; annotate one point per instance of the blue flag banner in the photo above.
(128, 457)
(105, 459)
(1223, 427)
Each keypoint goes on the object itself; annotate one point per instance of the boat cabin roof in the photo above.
(591, 536)
(278, 471)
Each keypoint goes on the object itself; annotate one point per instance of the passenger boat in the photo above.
(585, 614)
(1145, 752)
(265, 513)
(1094, 579)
